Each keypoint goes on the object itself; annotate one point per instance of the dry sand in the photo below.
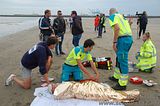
(13, 47)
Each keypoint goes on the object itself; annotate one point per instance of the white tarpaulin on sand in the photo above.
(44, 98)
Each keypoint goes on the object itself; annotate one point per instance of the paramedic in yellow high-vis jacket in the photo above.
(73, 63)
(147, 56)
(122, 43)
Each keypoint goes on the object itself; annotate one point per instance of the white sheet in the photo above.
(44, 98)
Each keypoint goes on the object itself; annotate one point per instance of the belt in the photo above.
(124, 36)
(71, 65)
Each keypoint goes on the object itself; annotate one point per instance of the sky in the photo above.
(81, 6)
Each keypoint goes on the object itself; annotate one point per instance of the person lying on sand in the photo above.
(39, 55)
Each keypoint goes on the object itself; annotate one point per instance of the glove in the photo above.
(137, 55)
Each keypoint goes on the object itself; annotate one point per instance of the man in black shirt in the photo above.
(39, 55)
(59, 27)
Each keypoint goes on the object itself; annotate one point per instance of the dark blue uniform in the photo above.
(44, 26)
(37, 56)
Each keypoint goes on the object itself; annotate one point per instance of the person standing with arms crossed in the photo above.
(122, 43)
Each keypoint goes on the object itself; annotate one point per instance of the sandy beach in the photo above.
(12, 48)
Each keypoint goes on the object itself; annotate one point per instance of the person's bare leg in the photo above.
(24, 83)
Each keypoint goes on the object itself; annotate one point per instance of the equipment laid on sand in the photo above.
(136, 80)
(132, 67)
(149, 83)
(100, 62)
(139, 80)
(90, 90)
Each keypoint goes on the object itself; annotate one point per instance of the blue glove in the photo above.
(137, 55)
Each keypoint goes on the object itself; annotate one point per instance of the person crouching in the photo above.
(147, 57)
(39, 55)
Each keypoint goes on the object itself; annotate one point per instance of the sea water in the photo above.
(11, 25)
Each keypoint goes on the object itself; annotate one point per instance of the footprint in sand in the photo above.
(56, 67)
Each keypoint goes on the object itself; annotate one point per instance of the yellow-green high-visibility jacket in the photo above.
(78, 53)
(147, 57)
(123, 23)
(103, 21)
(104, 24)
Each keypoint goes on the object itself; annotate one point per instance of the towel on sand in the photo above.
(44, 98)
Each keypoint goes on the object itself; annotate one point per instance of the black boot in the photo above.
(113, 79)
(99, 36)
(62, 53)
(119, 87)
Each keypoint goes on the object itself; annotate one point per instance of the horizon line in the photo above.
(85, 15)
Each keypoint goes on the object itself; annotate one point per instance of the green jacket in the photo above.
(103, 21)
(147, 57)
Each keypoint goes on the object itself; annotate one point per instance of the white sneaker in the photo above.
(50, 79)
(9, 79)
